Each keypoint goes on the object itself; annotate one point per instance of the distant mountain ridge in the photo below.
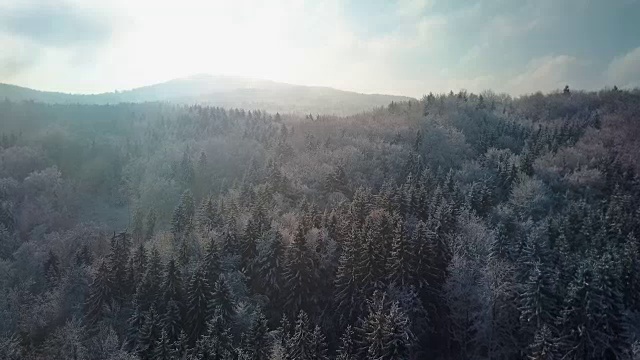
(226, 91)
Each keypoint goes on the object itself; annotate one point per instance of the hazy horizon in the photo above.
(211, 75)
(406, 47)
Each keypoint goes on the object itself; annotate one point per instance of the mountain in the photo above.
(226, 91)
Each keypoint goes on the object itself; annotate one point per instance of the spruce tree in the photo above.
(307, 342)
(544, 345)
(149, 291)
(222, 301)
(400, 271)
(52, 268)
(385, 332)
(172, 284)
(172, 320)
(217, 342)
(118, 259)
(348, 346)
(149, 335)
(182, 220)
(256, 341)
(538, 302)
(299, 274)
(198, 297)
(163, 348)
(150, 225)
(100, 295)
(348, 295)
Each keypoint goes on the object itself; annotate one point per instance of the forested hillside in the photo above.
(459, 226)
(222, 91)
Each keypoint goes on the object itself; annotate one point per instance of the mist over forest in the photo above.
(456, 226)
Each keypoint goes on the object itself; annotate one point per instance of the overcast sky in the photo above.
(407, 47)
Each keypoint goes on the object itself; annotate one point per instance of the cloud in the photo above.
(406, 46)
(625, 70)
(548, 73)
(40, 39)
(412, 8)
(59, 25)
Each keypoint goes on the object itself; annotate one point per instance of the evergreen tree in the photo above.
(249, 249)
(307, 342)
(149, 335)
(52, 268)
(134, 323)
(348, 295)
(149, 291)
(544, 345)
(400, 272)
(590, 322)
(172, 284)
(299, 274)
(216, 343)
(118, 259)
(538, 303)
(182, 220)
(138, 264)
(172, 321)
(269, 277)
(256, 342)
(138, 232)
(151, 225)
(100, 295)
(163, 348)
(212, 265)
(385, 332)
(348, 346)
(198, 297)
(207, 217)
(222, 301)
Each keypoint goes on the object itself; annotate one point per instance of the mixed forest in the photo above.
(457, 226)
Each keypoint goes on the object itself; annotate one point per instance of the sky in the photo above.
(404, 47)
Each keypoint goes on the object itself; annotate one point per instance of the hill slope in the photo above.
(224, 91)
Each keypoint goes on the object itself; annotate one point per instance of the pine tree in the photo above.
(306, 342)
(385, 332)
(138, 226)
(172, 320)
(544, 345)
(186, 172)
(163, 348)
(317, 345)
(538, 302)
(52, 268)
(216, 343)
(400, 271)
(371, 260)
(222, 301)
(299, 274)
(138, 264)
(348, 295)
(149, 291)
(212, 262)
(198, 297)
(256, 342)
(100, 295)
(149, 335)
(348, 346)
(118, 259)
(249, 249)
(182, 220)
(588, 321)
(151, 225)
(207, 217)
(134, 323)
